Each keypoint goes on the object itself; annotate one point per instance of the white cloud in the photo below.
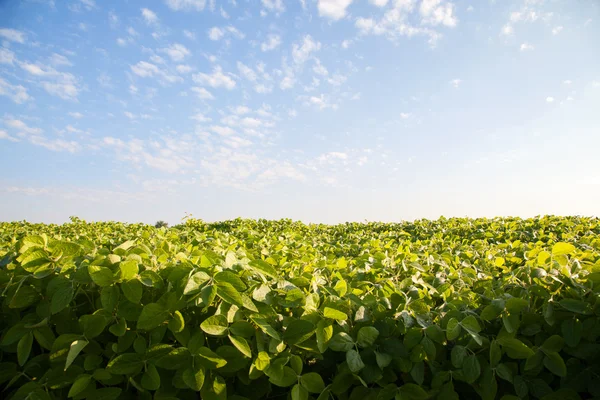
(216, 79)
(21, 127)
(59, 59)
(287, 82)
(202, 93)
(6, 56)
(62, 84)
(184, 69)
(334, 9)
(16, 93)
(272, 42)
(321, 102)
(185, 5)
(273, 5)
(262, 88)
(246, 71)
(405, 115)
(76, 115)
(526, 47)
(5, 136)
(549, 99)
(507, 30)
(222, 130)
(113, 20)
(347, 43)
(199, 117)
(216, 33)
(66, 91)
(176, 51)
(189, 34)
(337, 79)
(319, 68)
(145, 69)
(121, 42)
(568, 82)
(241, 110)
(149, 16)
(379, 3)
(557, 30)
(129, 115)
(436, 12)
(332, 157)
(55, 144)
(302, 52)
(456, 82)
(12, 35)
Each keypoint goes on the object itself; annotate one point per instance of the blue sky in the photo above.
(319, 110)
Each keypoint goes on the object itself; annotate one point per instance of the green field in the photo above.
(449, 309)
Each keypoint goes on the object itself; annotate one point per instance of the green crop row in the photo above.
(245, 309)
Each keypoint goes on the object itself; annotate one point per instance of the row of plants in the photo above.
(502, 308)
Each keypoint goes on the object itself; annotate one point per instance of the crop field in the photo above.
(502, 308)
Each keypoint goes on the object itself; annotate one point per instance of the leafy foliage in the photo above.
(245, 309)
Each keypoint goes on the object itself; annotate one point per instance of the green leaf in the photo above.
(24, 348)
(241, 344)
(341, 342)
(571, 330)
(194, 377)
(458, 355)
(555, 364)
(471, 368)
(266, 327)
(367, 336)
(152, 316)
(298, 331)
(210, 359)
(108, 393)
(410, 391)
(287, 378)
(215, 325)
(262, 361)
(324, 334)
(74, 351)
(332, 313)
(576, 306)
(299, 393)
(80, 384)
(355, 363)
(504, 372)
(470, 324)
(231, 278)
(119, 328)
(102, 276)
(553, 344)
(61, 299)
(109, 297)
(263, 268)
(132, 290)
(126, 364)
(515, 305)
(25, 296)
(561, 248)
(93, 325)
(196, 282)
(151, 378)
(229, 294)
(177, 323)
(495, 353)
(129, 269)
(382, 359)
(312, 382)
(515, 348)
(452, 329)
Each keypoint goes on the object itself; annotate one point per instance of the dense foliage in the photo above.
(244, 309)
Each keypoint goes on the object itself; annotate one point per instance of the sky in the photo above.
(314, 110)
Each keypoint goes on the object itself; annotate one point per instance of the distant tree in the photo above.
(161, 224)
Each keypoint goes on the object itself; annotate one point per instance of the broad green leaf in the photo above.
(553, 344)
(93, 325)
(298, 331)
(452, 329)
(263, 268)
(332, 313)
(515, 348)
(128, 269)
(355, 363)
(215, 325)
(24, 348)
(229, 294)
(74, 351)
(470, 324)
(576, 306)
(341, 342)
(471, 368)
(107, 393)
(132, 290)
(367, 336)
(126, 364)
(561, 248)
(109, 298)
(150, 378)
(80, 384)
(555, 364)
(458, 355)
(61, 299)
(410, 391)
(194, 377)
(231, 278)
(25, 296)
(210, 359)
(241, 344)
(262, 361)
(299, 393)
(195, 282)
(153, 315)
(571, 331)
(102, 276)
(324, 334)
(177, 323)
